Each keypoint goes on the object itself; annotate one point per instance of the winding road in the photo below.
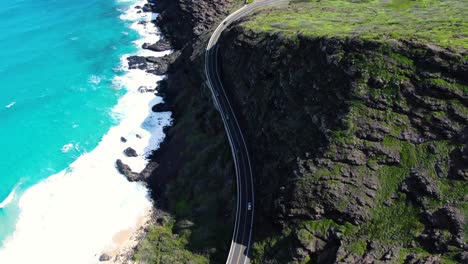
(242, 235)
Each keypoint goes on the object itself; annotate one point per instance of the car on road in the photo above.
(249, 206)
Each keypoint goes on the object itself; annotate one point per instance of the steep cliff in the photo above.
(358, 146)
(194, 182)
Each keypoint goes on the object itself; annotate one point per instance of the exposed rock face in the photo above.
(182, 21)
(418, 185)
(447, 218)
(161, 45)
(463, 257)
(155, 65)
(148, 170)
(459, 163)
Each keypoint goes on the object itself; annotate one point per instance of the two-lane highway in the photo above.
(241, 240)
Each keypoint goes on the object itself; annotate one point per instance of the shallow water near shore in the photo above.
(66, 100)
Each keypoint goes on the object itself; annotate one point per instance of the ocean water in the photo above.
(66, 99)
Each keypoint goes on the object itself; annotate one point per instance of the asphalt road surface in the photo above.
(242, 235)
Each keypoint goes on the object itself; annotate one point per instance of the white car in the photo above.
(249, 206)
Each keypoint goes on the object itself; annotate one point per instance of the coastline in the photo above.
(126, 241)
(186, 24)
(66, 216)
(153, 45)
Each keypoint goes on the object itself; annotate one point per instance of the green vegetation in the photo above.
(396, 220)
(277, 243)
(161, 246)
(453, 86)
(441, 22)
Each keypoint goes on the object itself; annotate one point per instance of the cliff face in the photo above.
(195, 178)
(183, 21)
(359, 147)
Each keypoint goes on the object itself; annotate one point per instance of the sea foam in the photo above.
(71, 217)
(8, 199)
(10, 104)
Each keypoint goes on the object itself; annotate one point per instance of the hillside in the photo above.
(355, 114)
(359, 147)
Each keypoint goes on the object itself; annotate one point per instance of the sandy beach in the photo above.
(126, 241)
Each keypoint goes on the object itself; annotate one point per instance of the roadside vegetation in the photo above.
(162, 246)
(443, 23)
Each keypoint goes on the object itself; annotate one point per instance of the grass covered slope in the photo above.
(443, 23)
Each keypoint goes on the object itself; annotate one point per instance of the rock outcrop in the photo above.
(132, 176)
(130, 152)
(125, 170)
(183, 21)
(161, 45)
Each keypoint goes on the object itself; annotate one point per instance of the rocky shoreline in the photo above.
(127, 241)
(184, 25)
(153, 65)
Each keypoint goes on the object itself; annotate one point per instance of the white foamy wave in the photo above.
(94, 79)
(11, 196)
(149, 32)
(67, 147)
(10, 104)
(8, 199)
(73, 216)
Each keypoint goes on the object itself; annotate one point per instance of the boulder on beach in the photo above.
(161, 107)
(130, 152)
(104, 257)
(145, 89)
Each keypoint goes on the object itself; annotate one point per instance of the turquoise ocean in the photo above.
(62, 89)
